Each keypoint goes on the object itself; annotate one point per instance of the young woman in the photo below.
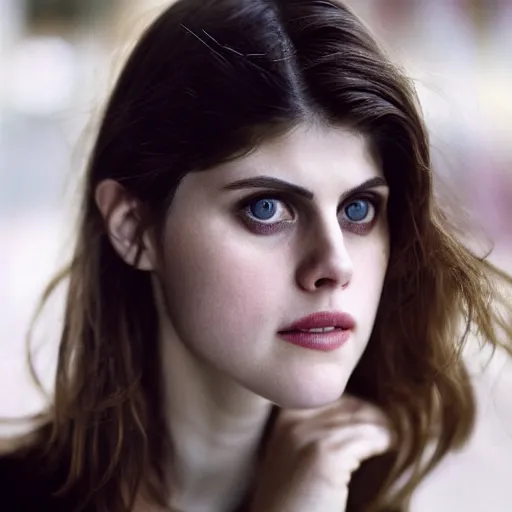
(266, 306)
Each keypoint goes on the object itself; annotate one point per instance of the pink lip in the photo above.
(323, 319)
(343, 323)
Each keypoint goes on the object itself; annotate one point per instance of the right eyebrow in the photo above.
(273, 183)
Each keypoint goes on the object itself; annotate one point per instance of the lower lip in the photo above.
(322, 341)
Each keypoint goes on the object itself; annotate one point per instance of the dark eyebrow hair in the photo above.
(278, 184)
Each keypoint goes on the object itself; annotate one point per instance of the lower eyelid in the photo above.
(265, 228)
(360, 229)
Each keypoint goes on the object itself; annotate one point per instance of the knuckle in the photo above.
(296, 434)
(373, 430)
(317, 452)
(352, 465)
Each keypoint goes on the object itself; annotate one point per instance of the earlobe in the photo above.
(122, 214)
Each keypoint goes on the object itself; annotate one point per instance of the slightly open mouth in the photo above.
(322, 339)
(319, 330)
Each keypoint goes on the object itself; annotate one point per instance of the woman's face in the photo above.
(256, 244)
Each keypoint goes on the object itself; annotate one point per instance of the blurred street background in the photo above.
(58, 60)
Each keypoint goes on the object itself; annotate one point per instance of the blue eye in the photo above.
(266, 215)
(358, 211)
(263, 209)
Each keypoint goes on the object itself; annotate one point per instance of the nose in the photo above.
(326, 263)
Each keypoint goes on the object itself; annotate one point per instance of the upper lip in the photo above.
(322, 319)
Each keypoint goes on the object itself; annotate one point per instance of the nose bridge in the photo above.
(331, 243)
(327, 257)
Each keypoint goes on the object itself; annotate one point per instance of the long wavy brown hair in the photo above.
(208, 81)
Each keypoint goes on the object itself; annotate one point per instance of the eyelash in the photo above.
(263, 228)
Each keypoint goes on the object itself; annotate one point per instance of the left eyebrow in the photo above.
(278, 184)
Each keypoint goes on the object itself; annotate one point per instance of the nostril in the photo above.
(326, 281)
(321, 282)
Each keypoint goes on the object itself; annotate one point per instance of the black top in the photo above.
(25, 487)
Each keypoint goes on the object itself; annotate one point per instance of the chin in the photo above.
(308, 392)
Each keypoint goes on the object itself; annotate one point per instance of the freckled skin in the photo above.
(229, 289)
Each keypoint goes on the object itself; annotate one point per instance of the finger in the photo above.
(336, 458)
(352, 453)
(361, 410)
(331, 439)
(350, 434)
(302, 425)
(341, 420)
(346, 406)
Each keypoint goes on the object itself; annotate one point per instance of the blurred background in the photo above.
(58, 59)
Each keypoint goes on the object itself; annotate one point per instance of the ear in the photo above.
(122, 214)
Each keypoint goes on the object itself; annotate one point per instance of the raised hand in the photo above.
(311, 455)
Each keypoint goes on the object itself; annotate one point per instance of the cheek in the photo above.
(370, 257)
(219, 289)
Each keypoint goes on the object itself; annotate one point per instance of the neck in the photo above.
(215, 427)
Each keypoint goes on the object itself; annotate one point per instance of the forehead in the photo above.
(311, 156)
